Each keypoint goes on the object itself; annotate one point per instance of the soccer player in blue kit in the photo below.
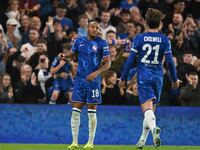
(149, 49)
(93, 59)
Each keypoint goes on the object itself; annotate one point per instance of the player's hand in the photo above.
(176, 84)
(188, 79)
(92, 76)
(62, 63)
(50, 21)
(121, 84)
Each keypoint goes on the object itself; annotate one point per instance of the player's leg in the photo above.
(68, 88)
(75, 123)
(56, 91)
(93, 94)
(92, 124)
(148, 109)
(54, 96)
(145, 132)
(69, 95)
(147, 97)
(77, 104)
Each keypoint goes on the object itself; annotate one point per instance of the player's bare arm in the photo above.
(106, 65)
(53, 70)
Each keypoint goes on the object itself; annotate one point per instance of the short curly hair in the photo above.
(153, 18)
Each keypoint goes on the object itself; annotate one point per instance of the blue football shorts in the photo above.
(149, 89)
(88, 92)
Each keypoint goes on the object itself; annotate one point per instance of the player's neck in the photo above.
(91, 37)
(153, 30)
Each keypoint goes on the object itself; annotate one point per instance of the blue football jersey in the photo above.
(90, 54)
(66, 68)
(150, 48)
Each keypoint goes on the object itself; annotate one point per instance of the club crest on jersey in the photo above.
(94, 48)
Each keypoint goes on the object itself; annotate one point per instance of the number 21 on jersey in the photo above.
(150, 49)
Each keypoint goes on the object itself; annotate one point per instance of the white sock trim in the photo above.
(76, 109)
(92, 111)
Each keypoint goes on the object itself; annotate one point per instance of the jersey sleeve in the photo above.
(169, 61)
(75, 46)
(55, 62)
(134, 46)
(105, 48)
(168, 47)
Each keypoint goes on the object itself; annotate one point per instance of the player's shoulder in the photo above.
(79, 39)
(139, 36)
(100, 40)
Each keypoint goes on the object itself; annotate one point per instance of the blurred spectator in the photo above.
(91, 11)
(14, 13)
(46, 10)
(190, 94)
(191, 35)
(105, 25)
(14, 63)
(61, 11)
(12, 39)
(83, 23)
(31, 7)
(3, 43)
(193, 8)
(174, 29)
(117, 59)
(74, 10)
(132, 93)
(136, 17)
(42, 73)
(6, 90)
(127, 4)
(27, 89)
(13, 10)
(28, 49)
(104, 5)
(72, 34)
(3, 17)
(169, 95)
(55, 36)
(111, 93)
(41, 49)
(179, 6)
(125, 16)
(61, 71)
(186, 66)
(35, 23)
(24, 28)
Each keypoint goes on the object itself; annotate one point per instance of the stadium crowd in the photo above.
(34, 32)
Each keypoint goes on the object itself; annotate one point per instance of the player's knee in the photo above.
(78, 105)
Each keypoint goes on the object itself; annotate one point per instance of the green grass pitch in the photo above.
(97, 147)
